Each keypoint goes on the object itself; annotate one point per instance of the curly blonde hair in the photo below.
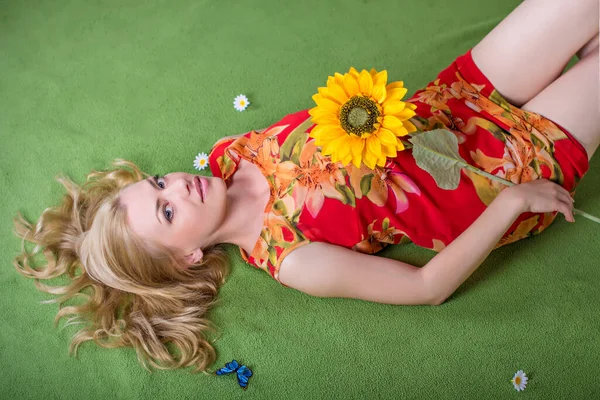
(141, 294)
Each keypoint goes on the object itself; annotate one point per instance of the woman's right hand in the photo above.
(541, 196)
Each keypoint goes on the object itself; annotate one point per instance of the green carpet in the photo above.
(84, 82)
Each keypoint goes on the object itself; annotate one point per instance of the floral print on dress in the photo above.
(314, 199)
(380, 236)
(301, 180)
(377, 184)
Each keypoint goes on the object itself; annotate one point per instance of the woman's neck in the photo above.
(247, 196)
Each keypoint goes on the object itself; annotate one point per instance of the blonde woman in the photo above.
(145, 250)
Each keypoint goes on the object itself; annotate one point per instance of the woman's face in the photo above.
(179, 210)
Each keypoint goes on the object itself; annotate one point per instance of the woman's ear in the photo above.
(194, 257)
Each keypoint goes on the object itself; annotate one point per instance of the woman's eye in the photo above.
(168, 211)
(160, 182)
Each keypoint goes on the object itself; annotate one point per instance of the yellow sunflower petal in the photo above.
(339, 79)
(343, 152)
(404, 114)
(411, 106)
(369, 160)
(325, 141)
(374, 146)
(338, 153)
(333, 132)
(379, 92)
(389, 121)
(365, 83)
(335, 156)
(409, 126)
(351, 85)
(389, 151)
(336, 92)
(337, 145)
(326, 104)
(316, 131)
(326, 132)
(393, 107)
(396, 94)
(326, 119)
(356, 148)
(380, 78)
(400, 145)
(388, 102)
(381, 161)
(318, 112)
(386, 137)
(347, 160)
(399, 130)
(395, 85)
(353, 72)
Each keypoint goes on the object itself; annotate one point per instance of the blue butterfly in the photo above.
(243, 373)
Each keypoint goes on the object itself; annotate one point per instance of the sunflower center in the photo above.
(358, 115)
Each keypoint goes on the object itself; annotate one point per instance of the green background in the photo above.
(84, 82)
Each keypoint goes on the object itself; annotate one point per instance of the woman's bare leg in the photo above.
(529, 49)
(573, 101)
(590, 46)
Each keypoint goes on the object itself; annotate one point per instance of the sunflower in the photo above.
(360, 119)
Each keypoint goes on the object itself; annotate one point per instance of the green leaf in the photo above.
(293, 144)
(272, 255)
(292, 147)
(348, 196)
(296, 216)
(485, 189)
(279, 208)
(405, 239)
(365, 184)
(497, 98)
(436, 152)
(386, 224)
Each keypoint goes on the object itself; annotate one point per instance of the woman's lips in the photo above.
(199, 187)
(204, 187)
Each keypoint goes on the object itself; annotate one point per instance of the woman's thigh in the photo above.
(531, 46)
(573, 102)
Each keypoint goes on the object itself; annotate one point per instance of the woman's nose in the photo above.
(182, 187)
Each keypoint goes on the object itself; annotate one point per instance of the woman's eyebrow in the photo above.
(153, 184)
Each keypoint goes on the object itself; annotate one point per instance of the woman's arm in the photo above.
(445, 272)
(326, 270)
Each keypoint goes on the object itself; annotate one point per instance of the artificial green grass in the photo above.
(84, 82)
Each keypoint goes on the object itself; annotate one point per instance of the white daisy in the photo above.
(519, 380)
(241, 102)
(201, 161)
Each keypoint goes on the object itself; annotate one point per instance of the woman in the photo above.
(148, 248)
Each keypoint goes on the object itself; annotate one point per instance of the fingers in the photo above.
(565, 198)
(565, 202)
(565, 207)
(556, 197)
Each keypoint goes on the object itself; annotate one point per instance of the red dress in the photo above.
(314, 199)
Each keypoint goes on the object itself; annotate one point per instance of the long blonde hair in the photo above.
(141, 295)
